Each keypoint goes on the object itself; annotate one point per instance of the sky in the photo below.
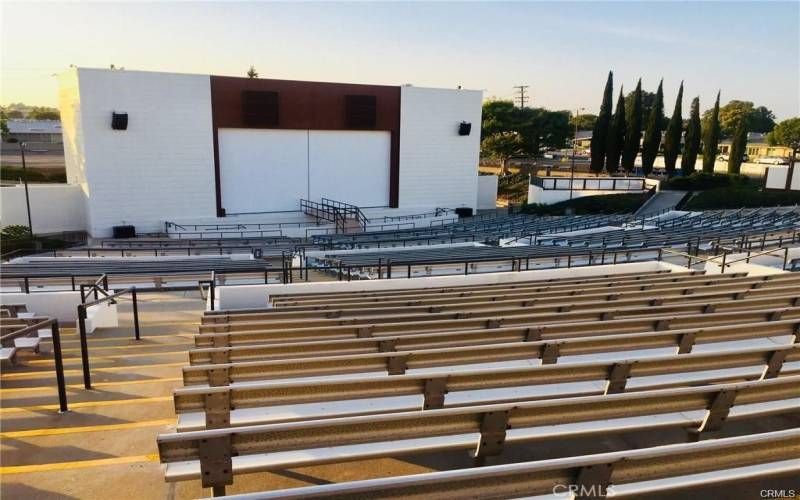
(562, 50)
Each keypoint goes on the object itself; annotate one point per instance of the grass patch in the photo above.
(605, 204)
(8, 173)
(741, 197)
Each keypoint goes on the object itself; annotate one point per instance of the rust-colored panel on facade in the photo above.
(307, 106)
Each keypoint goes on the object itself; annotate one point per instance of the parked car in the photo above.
(773, 160)
(725, 156)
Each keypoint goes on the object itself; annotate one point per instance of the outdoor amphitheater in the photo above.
(426, 356)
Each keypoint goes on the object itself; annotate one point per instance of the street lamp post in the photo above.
(574, 152)
(24, 181)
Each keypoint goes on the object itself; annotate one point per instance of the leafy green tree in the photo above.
(759, 119)
(616, 135)
(542, 129)
(633, 129)
(15, 232)
(584, 122)
(15, 113)
(672, 139)
(648, 98)
(711, 138)
(786, 133)
(652, 133)
(252, 73)
(538, 128)
(4, 133)
(503, 146)
(738, 146)
(691, 141)
(601, 126)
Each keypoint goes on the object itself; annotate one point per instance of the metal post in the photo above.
(87, 378)
(105, 282)
(27, 285)
(724, 256)
(136, 311)
(388, 269)
(72, 280)
(25, 181)
(62, 387)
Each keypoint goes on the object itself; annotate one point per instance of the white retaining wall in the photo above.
(54, 207)
(550, 196)
(63, 306)
(487, 192)
(248, 296)
(777, 174)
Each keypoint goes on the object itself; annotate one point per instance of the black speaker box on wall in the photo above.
(119, 121)
(464, 128)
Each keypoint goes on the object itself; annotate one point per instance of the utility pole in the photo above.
(521, 94)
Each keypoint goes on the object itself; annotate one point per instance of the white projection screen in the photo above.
(350, 166)
(263, 170)
(271, 170)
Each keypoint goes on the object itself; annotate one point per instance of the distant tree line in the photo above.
(636, 124)
(22, 111)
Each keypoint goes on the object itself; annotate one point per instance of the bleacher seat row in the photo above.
(322, 378)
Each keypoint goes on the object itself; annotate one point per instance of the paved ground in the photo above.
(660, 202)
(105, 446)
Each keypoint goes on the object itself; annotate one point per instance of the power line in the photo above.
(520, 94)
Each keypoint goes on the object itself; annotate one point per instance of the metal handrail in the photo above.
(82, 315)
(59, 360)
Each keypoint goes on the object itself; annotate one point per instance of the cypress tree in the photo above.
(600, 131)
(633, 131)
(691, 141)
(652, 133)
(738, 146)
(711, 139)
(616, 135)
(672, 139)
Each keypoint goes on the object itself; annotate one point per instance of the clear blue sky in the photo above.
(751, 50)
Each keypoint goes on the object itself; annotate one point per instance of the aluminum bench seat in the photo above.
(28, 343)
(638, 473)
(8, 355)
(278, 446)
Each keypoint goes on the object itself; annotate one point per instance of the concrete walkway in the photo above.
(660, 202)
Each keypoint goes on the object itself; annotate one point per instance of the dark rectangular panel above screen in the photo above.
(260, 108)
(361, 111)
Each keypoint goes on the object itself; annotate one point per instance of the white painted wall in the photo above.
(776, 176)
(54, 207)
(161, 167)
(350, 166)
(487, 192)
(549, 196)
(438, 167)
(63, 306)
(263, 170)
